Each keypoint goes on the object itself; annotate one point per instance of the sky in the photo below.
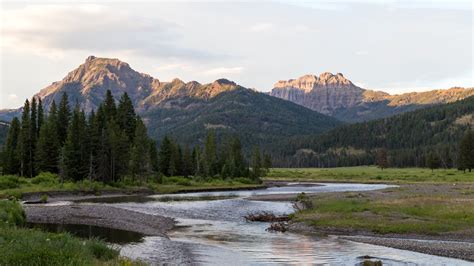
(393, 46)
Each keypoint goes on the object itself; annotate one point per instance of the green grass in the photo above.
(23, 246)
(370, 174)
(438, 209)
(14, 186)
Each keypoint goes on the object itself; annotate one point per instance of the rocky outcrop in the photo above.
(88, 83)
(334, 95)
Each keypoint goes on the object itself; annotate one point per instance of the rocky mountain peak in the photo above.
(307, 83)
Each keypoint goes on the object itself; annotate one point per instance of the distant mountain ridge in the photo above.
(186, 111)
(87, 85)
(335, 95)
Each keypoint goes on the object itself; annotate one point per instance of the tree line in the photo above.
(112, 143)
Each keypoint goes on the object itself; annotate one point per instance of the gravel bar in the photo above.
(100, 215)
(453, 249)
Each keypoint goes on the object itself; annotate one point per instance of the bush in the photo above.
(11, 213)
(34, 247)
(9, 182)
(44, 198)
(244, 180)
(46, 178)
(101, 251)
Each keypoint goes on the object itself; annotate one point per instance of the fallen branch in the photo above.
(265, 217)
(277, 227)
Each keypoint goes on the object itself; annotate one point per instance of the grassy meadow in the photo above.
(370, 174)
(16, 186)
(424, 209)
(426, 202)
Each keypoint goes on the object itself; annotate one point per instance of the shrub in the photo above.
(46, 178)
(11, 212)
(101, 251)
(9, 181)
(44, 198)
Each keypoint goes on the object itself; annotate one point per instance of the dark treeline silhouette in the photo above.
(111, 144)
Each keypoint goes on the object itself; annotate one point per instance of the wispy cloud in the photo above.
(223, 71)
(52, 30)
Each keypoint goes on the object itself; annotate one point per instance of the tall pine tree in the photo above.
(11, 161)
(64, 114)
(24, 149)
(48, 148)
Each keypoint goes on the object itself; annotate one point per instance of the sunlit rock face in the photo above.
(335, 95)
(88, 83)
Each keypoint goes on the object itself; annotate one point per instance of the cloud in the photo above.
(223, 71)
(261, 27)
(53, 30)
(12, 97)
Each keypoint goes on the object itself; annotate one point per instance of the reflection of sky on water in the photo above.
(214, 232)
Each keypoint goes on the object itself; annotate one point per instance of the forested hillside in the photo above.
(410, 139)
(258, 119)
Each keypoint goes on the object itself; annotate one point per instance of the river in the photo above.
(211, 230)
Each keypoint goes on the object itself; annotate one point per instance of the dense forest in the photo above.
(111, 144)
(411, 139)
(256, 118)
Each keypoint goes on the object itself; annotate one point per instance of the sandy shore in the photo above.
(100, 215)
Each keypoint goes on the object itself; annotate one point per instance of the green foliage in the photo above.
(44, 198)
(9, 181)
(254, 117)
(466, 151)
(11, 213)
(369, 174)
(10, 154)
(45, 178)
(50, 249)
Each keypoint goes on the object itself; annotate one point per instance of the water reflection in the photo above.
(110, 235)
(214, 232)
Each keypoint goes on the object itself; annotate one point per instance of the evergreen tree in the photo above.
(24, 151)
(187, 162)
(197, 161)
(210, 155)
(140, 159)
(153, 153)
(267, 162)
(432, 161)
(126, 116)
(256, 163)
(48, 148)
(166, 149)
(237, 158)
(466, 151)
(110, 109)
(382, 161)
(11, 161)
(33, 135)
(64, 115)
(119, 151)
(75, 148)
(40, 116)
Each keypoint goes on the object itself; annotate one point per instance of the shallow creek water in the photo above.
(215, 232)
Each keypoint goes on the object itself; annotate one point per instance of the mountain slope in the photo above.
(409, 138)
(257, 118)
(186, 111)
(337, 96)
